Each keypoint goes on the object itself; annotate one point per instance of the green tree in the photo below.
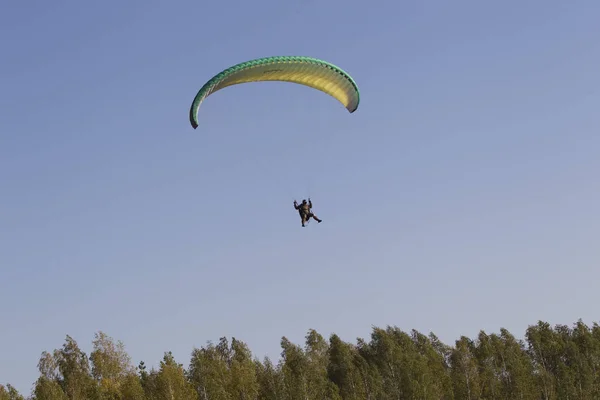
(584, 351)
(45, 389)
(434, 373)
(149, 381)
(465, 372)
(73, 366)
(131, 388)
(366, 363)
(543, 348)
(294, 369)
(343, 370)
(393, 354)
(317, 358)
(112, 370)
(515, 368)
(171, 381)
(209, 371)
(47, 386)
(593, 354)
(443, 353)
(488, 368)
(10, 393)
(270, 382)
(244, 384)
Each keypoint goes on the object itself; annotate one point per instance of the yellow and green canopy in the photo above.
(311, 72)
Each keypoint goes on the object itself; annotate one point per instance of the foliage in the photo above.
(551, 363)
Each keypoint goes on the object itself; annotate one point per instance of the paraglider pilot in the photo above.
(305, 211)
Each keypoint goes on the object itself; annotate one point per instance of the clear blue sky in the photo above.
(462, 195)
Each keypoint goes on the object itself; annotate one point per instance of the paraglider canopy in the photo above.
(311, 72)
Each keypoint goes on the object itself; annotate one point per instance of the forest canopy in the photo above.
(551, 362)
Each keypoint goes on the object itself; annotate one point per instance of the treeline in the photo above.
(559, 362)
